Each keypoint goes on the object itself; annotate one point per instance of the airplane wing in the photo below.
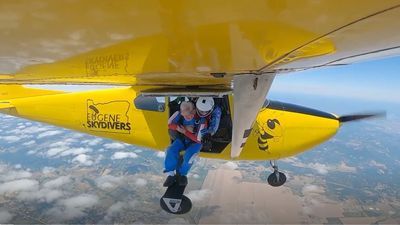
(188, 43)
(191, 43)
(5, 105)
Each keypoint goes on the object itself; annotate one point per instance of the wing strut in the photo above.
(249, 93)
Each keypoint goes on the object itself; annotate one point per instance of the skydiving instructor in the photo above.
(189, 128)
(207, 109)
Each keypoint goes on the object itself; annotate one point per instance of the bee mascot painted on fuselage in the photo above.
(270, 130)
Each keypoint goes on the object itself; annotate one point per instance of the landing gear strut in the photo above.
(277, 178)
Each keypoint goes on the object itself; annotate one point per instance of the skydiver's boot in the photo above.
(171, 179)
(182, 181)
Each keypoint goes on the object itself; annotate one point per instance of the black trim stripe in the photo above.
(243, 144)
(247, 133)
(297, 109)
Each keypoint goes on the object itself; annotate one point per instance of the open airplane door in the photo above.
(249, 95)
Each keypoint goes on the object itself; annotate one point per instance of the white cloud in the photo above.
(133, 204)
(17, 166)
(47, 193)
(92, 142)
(11, 139)
(230, 165)
(51, 195)
(5, 216)
(99, 158)
(42, 195)
(377, 165)
(291, 160)
(115, 208)
(320, 168)
(198, 195)
(63, 151)
(47, 170)
(31, 152)
(114, 211)
(78, 135)
(160, 154)
(343, 167)
(74, 207)
(312, 189)
(18, 186)
(140, 182)
(123, 155)
(75, 151)
(58, 182)
(14, 175)
(60, 144)
(49, 133)
(55, 151)
(31, 142)
(83, 160)
(80, 201)
(34, 130)
(108, 182)
(114, 145)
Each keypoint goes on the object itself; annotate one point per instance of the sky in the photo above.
(376, 80)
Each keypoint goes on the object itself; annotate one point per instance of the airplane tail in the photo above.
(11, 91)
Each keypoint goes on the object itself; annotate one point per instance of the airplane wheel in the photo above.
(276, 179)
(184, 207)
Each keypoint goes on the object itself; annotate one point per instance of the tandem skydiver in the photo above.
(187, 137)
(207, 109)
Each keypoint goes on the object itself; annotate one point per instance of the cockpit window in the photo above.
(150, 103)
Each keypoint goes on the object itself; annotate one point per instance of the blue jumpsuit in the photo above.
(191, 147)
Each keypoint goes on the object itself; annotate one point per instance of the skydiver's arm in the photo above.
(181, 129)
(191, 136)
(173, 121)
(215, 119)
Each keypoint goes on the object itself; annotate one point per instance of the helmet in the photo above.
(204, 106)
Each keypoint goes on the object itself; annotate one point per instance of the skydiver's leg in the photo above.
(172, 155)
(189, 157)
(171, 161)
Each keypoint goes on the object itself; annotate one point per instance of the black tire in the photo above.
(273, 179)
(185, 207)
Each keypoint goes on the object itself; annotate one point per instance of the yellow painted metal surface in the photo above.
(106, 113)
(112, 114)
(19, 91)
(5, 105)
(179, 42)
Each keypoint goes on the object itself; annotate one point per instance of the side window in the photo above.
(150, 103)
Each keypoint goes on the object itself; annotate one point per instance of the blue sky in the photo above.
(377, 80)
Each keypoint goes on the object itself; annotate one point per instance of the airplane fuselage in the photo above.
(280, 130)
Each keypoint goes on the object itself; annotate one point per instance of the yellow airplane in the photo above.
(160, 52)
